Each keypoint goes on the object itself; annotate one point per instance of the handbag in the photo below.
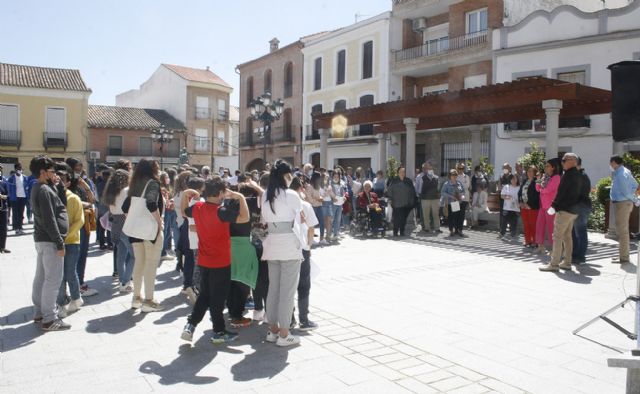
(140, 223)
(90, 223)
(455, 206)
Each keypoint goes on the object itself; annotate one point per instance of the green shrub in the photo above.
(535, 158)
(596, 219)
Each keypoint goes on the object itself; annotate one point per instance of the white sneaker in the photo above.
(136, 303)
(324, 242)
(62, 312)
(289, 340)
(75, 305)
(126, 288)
(88, 292)
(258, 315)
(151, 306)
(166, 257)
(271, 337)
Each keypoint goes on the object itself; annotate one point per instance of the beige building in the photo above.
(196, 97)
(42, 111)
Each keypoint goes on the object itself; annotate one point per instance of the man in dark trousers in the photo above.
(427, 188)
(49, 230)
(566, 208)
(580, 237)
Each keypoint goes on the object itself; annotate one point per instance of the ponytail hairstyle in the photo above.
(117, 181)
(277, 182)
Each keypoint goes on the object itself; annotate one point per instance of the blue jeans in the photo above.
(125, 259)
(320, 216)
(70, 276)
(337, 219)
(579, 234)
(84, 251)
(170, 230)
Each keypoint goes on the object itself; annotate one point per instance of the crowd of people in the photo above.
(244, 241)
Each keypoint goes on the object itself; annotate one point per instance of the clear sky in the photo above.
(118, 44)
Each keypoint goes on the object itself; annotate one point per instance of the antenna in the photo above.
(359, 15)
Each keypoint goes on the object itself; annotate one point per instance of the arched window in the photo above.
(287, 124)
(288, 79)
(340, 105)
(267, 81)
(249, 91)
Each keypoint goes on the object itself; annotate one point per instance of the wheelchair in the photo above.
(369, 223)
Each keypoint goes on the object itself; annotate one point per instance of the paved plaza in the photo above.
(426, 314)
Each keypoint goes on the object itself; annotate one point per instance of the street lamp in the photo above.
(162, 135)
(266, 110)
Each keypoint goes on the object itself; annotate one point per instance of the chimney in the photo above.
(207, 68)
(273, 45)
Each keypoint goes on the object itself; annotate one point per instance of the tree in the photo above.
(392, 167)
(535, 157)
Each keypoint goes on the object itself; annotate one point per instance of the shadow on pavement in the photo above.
(115, 324)
(190, 361)
(19, 337)
(18, 316)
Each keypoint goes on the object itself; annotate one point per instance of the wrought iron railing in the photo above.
(442, 46)
(201, 144)
(10, 138)
(203, 113)
(55, 139)
(223, 116)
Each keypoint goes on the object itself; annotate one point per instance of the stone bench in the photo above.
(632, 364)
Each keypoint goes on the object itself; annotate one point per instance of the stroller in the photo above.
(370, 222)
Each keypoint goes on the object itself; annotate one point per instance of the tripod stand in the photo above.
(632, 298)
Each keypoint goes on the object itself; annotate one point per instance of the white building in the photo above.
(571, 45)
(344, 69)
(231, 146)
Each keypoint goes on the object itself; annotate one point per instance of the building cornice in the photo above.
(39, 92)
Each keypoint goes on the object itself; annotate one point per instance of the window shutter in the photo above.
(8, 117)
(367, 60)
(56, 120)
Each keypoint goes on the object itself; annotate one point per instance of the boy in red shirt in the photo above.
(214, 254)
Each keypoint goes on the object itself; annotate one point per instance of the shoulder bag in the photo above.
(140, 223)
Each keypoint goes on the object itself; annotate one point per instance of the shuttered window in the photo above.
(9, 117)
(145, 146)
(317, 74)
(367, 60)
(56, 120)
(342, 57)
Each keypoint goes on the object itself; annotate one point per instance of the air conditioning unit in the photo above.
(419, 25)
(94, 155)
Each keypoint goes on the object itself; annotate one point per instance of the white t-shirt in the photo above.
(193, 235)
(177, 201)
(286, 246)
(20, 190)
(310, 221)
(511, 204)
(116, 208)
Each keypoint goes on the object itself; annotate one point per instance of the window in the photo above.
(249, 91)
(366, 129)
(340, 73)
(475, 81)
(288, 79)
(287, 124)
(367, 60)
(201, 140)
(435, 89)
(223, 115)
(220, 143)
(573, 77)
(248, 131)
(316, 109)
(267, 81)
(476, 21)
(56, 120)
(202, 107)
(145, 147)
(317, 74)
(115, 145)
(172, 148)
(9, 121)
(340, 105)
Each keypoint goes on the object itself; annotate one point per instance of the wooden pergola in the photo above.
(524, 99)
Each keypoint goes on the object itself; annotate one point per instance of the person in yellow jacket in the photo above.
(71, 244)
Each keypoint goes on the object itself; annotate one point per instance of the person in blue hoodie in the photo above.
(18, 185)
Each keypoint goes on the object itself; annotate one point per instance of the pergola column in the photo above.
(552, 110)
(324, 145)
(476, 148)
(382, 151)
(410, 165)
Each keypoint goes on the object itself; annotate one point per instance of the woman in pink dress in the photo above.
(547, 185)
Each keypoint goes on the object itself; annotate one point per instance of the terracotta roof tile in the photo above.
(197, 74)
(41, 77)
(104, 116)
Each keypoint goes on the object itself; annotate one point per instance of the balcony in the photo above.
(223, 116)
(10, 138)
(203, 113)
(541, 125)
(467, 48)
(55, 139)
(113, 151)
(202, 144)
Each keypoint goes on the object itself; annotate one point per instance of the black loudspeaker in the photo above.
(625, 108)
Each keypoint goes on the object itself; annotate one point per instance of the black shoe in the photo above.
(55, 325)
(307, 326)
(187, 332)
(5, 251)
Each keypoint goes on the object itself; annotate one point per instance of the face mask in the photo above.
(19, 172)
(78, 174)
(430, 172)
(505, 171)
(166, 181)
(611, 168)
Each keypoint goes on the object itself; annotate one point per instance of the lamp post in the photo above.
(162, 135)
(266, 110)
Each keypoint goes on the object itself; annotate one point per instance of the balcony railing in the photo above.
(223, 116)
(541, 125)
(203, 113)
(55, 139)
(202, 144)
(10, 138)
(442, 46)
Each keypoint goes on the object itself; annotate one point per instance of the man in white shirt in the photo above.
(18, 194)
(309, 221)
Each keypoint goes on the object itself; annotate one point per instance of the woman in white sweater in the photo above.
(281, 211)
(511, 209)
